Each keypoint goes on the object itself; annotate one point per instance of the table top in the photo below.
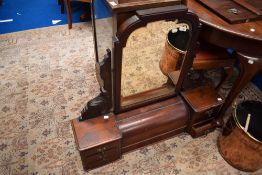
(131, 5)
(250, 30)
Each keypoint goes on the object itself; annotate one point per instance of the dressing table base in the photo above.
(101, 141)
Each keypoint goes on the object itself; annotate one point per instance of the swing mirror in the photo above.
(151, 61)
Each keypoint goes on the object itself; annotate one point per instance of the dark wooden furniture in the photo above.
(140, 122)
(98, 140)
(230, 11)
(62, 6)
(152, 123)
(69, 10)
(209, 56)
(144, 122)
(123, 26)
(204, 103)
(254, 6)
(244, 38)
(101, 141)
(141, 19)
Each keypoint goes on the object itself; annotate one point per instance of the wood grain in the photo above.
(230, 11)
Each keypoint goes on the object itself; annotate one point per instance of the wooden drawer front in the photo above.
(102, 148)
(101, 158)
(206, 115)
(201, 129)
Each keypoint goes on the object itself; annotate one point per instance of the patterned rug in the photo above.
(46, 77)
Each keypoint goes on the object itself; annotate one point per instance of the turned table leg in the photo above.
(69, 13)
(249, 67)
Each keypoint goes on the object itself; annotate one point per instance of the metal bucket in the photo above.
(240, 143)
(175, 49)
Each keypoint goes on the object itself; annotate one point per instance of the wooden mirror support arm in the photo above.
(101, 104)
(249, 67)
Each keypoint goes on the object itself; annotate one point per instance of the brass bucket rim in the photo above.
(241, 127)
(180, 51)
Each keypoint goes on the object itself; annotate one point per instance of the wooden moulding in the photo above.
(161, 93)
(130, 5)
(152, 123)
(98, 141)
(101, 141)
(204, 104)
(101, 104)
(230, 11)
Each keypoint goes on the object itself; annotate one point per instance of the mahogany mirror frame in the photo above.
(109, 70)
(141, 19)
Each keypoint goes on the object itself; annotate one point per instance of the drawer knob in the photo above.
(101, 149)
(209, 113)
(102, 157)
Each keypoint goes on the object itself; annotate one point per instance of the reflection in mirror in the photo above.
(175, 49)
(102, 21)
(152, 54)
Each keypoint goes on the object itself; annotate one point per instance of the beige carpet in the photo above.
(46, 77)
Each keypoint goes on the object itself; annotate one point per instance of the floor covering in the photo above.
(46, 77)
(33, 14)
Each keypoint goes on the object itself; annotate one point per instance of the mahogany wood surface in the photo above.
(236, 36)
(152, 123)
(98, 141)
(161, 93)
(131, 5)
(253, 5)
(94, 132)
(202, 98)
(151, 107)
(69, 13)
(101, 141)
(244, 38)
(249, 67)
(230, 11)
(204, 104)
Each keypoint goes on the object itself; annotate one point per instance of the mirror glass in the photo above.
(153, 54)
(102, 24)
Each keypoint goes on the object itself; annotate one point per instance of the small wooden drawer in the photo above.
(202, 128)
(98, 141)
(203, 104)
(102, 148)
(204, 116)
(100, 155)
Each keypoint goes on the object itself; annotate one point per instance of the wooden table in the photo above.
(244, 38)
